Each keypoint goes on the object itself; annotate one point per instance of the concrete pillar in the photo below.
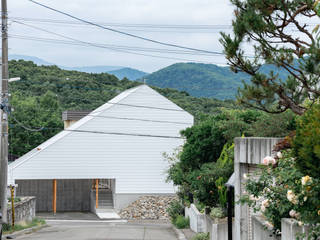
(248, 153)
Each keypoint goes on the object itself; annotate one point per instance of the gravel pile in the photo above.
(148, 207)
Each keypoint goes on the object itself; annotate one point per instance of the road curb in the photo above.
(24, 231)
(179, 233)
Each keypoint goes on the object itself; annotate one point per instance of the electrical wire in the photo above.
(109, 46)
(136, 25)
(129, 25)
(105, 45)
(122, 32)
(138, 119)
(101, 132)
(26, 127)
(112, 49)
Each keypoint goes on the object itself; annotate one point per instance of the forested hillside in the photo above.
(45, 91)
(130, 73)
(200, 80)
(204, 80)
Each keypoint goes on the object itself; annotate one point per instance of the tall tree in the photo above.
(280, 36)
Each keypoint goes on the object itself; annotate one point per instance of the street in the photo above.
(99, 230)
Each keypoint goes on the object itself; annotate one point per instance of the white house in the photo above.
(110, 157)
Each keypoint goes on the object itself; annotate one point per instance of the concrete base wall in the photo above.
(260, 230)
(25, 211)
(197, 219)
(122, 200)
(218, 230)
(72, 195)
(291, 230)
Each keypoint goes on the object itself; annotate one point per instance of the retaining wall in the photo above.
(25, 210)
(290, 229)
(197, 219)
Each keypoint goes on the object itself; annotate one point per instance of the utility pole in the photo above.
(4, 97)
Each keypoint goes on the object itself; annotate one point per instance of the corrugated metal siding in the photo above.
(74, 115)
(136, 162)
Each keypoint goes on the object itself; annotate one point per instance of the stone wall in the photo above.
(25, 210)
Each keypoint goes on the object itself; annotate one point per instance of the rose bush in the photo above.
(281, 190)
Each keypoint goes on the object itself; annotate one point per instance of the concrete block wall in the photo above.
(260, 230)
(249, 152)
(290, 229)
(218, 230)
(25, 211)
(197, 219)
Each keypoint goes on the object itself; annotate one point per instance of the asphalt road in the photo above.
(98, 230)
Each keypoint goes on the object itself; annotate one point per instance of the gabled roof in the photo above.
(75, 126)
(137, 125)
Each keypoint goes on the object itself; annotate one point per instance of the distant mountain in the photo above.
(119, 71)
(204, 80)
(130, 73)
(93, 69)
(36, 60)
(199, 80)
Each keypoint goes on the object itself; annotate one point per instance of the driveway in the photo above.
(100, 230)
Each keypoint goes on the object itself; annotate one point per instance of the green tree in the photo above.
(278, 34)
(33, 121)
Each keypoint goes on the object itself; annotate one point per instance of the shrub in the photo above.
(181, 222)
(175, 209)
(280, 190)
(306, 144)
(217, 213)
(201, 236)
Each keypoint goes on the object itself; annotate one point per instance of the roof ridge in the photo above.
(64, 133)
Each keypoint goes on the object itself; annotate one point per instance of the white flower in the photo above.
(263, 208)
(268, 160)
(305, 198)
(279, 154)
(305, 180)
(253, 198)
(300, 223)
(269, 224)
(245, 176)
(293, 213)
(265, 203)
(292, 197)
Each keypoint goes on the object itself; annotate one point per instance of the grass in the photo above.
(181, 222)
(7, 228)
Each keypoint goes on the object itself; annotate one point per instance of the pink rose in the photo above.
(269, 160)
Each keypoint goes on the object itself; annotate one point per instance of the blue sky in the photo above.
(177, 12)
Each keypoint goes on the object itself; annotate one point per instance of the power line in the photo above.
(109, 46)
(129, 25)
(106, 133)
(26, 127)
(122, 32)
(95, 45)
(137, 25)
(139, 119)
(106, 45)
(117, 50)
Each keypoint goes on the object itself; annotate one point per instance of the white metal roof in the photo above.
(122, 139)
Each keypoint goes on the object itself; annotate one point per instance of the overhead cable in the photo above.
(122, 32)
(77, 41)
(103, 132)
